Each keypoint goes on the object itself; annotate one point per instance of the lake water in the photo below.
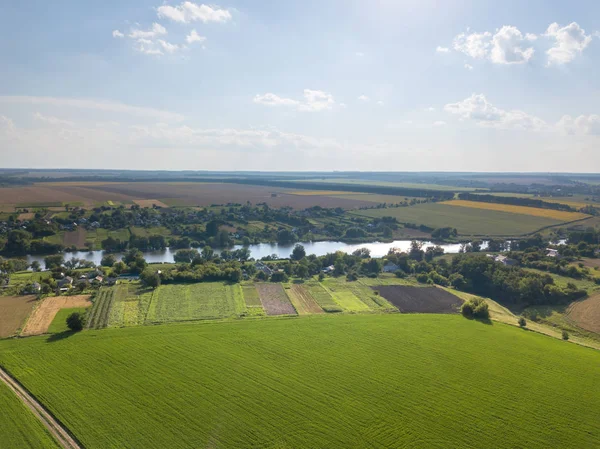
(260, 250)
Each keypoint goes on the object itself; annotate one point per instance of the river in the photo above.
(260, 250)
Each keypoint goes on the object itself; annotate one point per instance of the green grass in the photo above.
(468, 221)
(562, 281)
(59, 323)
(147, 232)
(24, 277)
(207, 300)
(130, 305)
(344, 296)
(101, 309)
(323, 297)
(319, 381)
(19, 428)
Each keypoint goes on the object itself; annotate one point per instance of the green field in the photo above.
(468, 221)
(319, 381)
(130, 305)
(183, 302)
(408, 185)
(19, 428)
(59, 323)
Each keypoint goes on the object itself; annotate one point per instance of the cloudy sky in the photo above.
(461, 85)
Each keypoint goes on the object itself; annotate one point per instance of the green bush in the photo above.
(522, 322)
(475, 308)
(76, 321)
(565, 335)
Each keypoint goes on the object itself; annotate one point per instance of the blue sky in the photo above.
(313, 85)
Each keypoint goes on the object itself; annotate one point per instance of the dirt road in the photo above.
(59, 433)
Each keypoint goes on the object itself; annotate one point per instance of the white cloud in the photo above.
(531, 37)
(477, 108)
(439, 123)
(360, 54)
(475, 45)
(442, 49)
(99, 105)
(52, 120)
(569, 42)
(167, 46)
(507, 47)
(586, 125)
(156, 30)
(314, 101)
(363, 98)
(6, 124)
(188, 12)
(468, 67)
(194, 37)
(117, 33)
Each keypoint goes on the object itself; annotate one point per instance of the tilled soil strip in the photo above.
(59, 433)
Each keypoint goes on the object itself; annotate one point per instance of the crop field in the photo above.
(252, 300)
(522, 210)
(319, 381)
(150, 203)
(59, 323)
(344, 296)
(420, 299)
(302, 300)
(75, 238)
(19, 428)
(586, 313)
(14, 310)
(100, 311)
(468, 221)
(40, 320)
(409, 185)
(184, 302)
(274, 299)
(147, 232)
(322, 297)
(130, 305)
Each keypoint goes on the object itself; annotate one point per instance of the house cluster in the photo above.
(550, 252)
(94, 277)
(507, 261)
(265, 269)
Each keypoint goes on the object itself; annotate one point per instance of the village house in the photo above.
(328, 269)
(65, 283)
(265, 269)
(552, 253)
(390, 267)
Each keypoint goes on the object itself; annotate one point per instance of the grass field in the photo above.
(19, 428)
(521, 210)
(344, 296)
(101, 310)
(468, 221)
(183, 302)
(59, 323)
(319, 381)
(130, 305)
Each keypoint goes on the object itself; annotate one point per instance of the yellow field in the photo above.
(322, 192)
(523, 210)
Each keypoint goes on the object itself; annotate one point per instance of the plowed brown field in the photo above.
(42, 317)
(13, 313)
(586, 313)
(420, 299)
(274, 300)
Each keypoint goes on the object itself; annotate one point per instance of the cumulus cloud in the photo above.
(475, 45)
(569, 41)
(363, 98)
(156, 30)
(117, 33)
(442, 49)
(194, 37)
(584, 125)
(314, 101)
(485, 114)
(508, 47)
(188, 12)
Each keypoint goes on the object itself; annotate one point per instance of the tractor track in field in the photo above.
(60, 434)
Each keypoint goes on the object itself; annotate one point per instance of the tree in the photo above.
(207, 253)
(286, 236)
(76, 321)
(321, 276)
(151, 278)
(186, 255)
(279, 276)
(17, 242)
(363, 253)
(387, 232)
(301, 271)
(298, 253)
(565, 335)
(36, 266)
(54, 262)
(119, 267)
(108, 260)
(475, 308)
(212, 228)
(522, 322)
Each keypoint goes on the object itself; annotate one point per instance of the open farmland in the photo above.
(42, 317)
(318, 381)
(14, 310)
(408, 185)
(59, 323)
(184, 302)
(100, 311)
(274, 299)
(252, 300)
(19, 428)
(586, 313)
(521, 210)
(302, 300)
(344, 296)
(468, 221)
(322, 297)
(130, 305)
(420, 299)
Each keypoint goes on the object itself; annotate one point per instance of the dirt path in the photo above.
(59, 433)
